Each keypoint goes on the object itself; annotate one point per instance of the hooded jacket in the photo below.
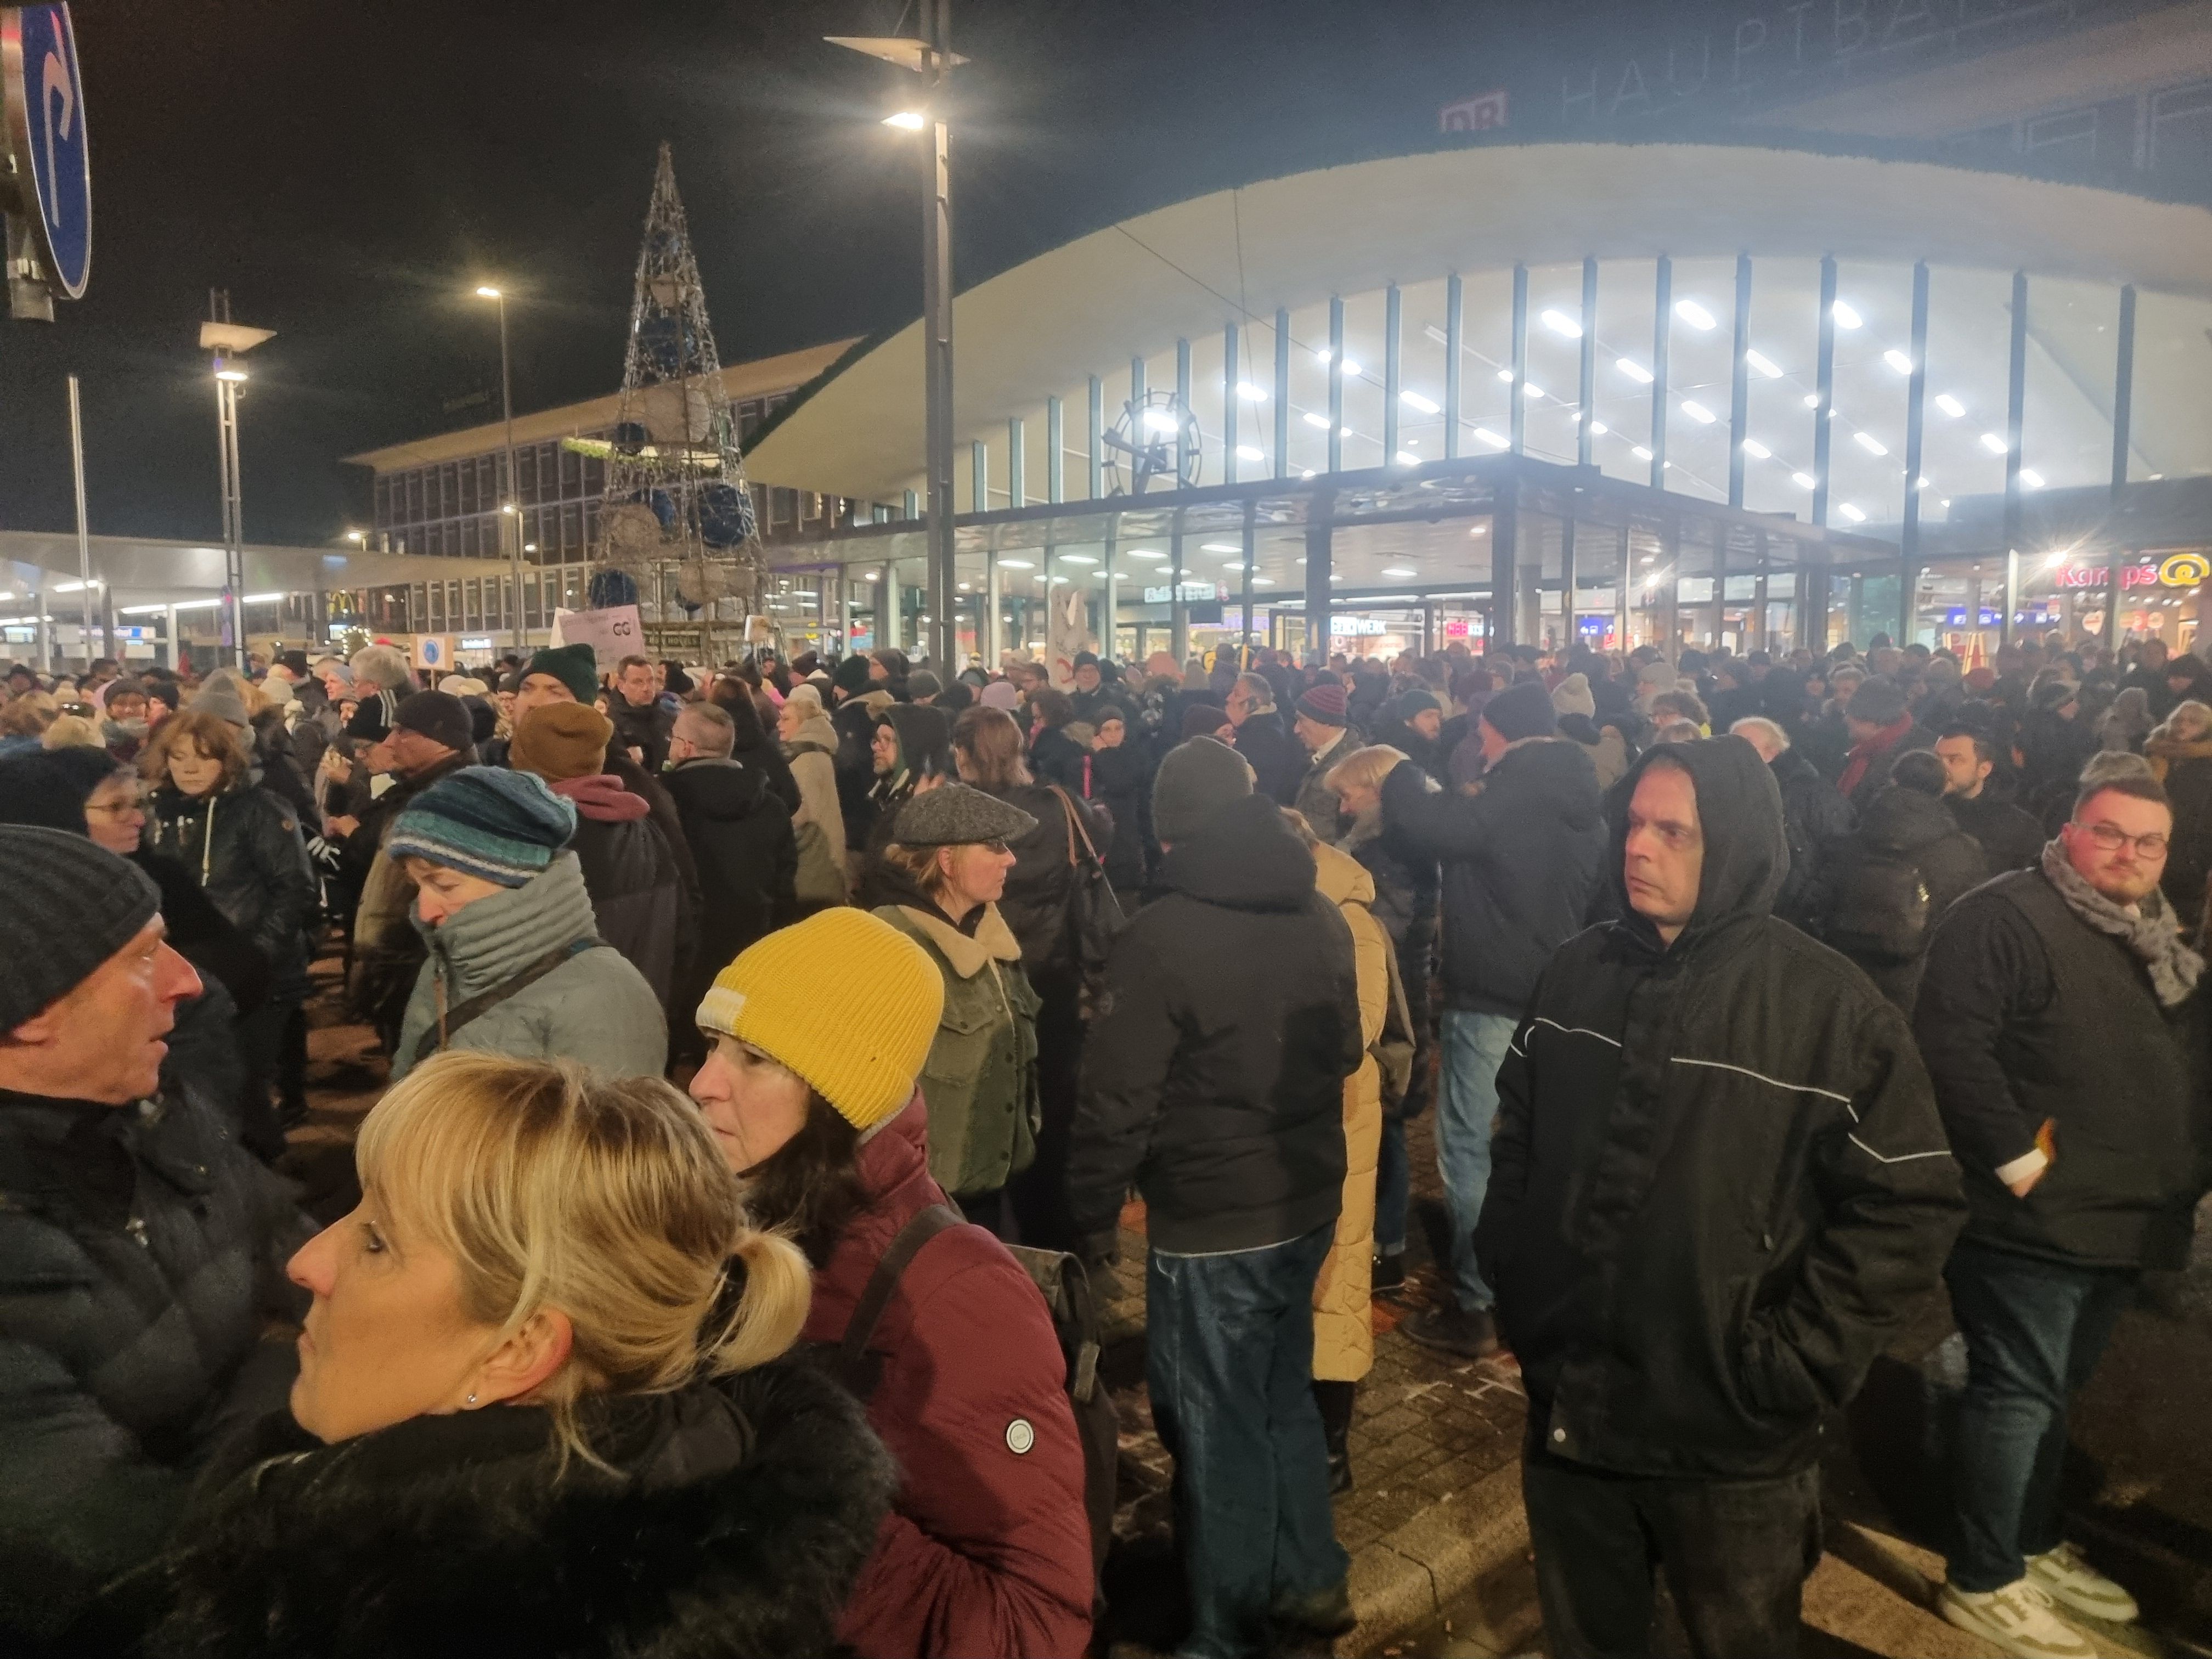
(747, 857)
(811, 755)
(1718, 1180)
(735, 1518)
(142, 1254)
(1520, 859)
(987, 1551)
(1213, 1074)
(925, 749)
(1813, 816)
(636, 885)
(596, 1007)
(1888, 883)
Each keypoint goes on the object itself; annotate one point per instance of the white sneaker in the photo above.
(2017, 1619)
(2067, 1579)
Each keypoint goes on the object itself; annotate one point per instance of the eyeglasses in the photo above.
(2111, 838)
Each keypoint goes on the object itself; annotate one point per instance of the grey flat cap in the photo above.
(954, 815)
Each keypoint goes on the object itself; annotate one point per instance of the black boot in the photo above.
(1335, 1400)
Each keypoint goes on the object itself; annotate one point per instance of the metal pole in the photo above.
(233, 516)
(1229, 401)
(1055, 443)
(2015, 406)
(937, 304)
(1739, 390)
(1915, 398)
(1586, 385)
(1282, 393)
(2123, 399)
(1244, 595)
(83, 532)
(513, 491)
(1455, 332)
(1335, 384)
(1662, 301)
(1391, 315)
(1824, 391)
(1095, 437)
(1517, 415)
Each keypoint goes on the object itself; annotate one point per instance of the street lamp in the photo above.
(509, 508)
(932, 57)
(227, 341)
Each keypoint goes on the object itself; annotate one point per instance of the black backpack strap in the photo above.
(433, 1040)
(855, 1366)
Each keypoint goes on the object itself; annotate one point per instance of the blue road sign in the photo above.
(46, 128)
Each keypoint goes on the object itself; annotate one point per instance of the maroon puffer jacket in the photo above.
(987, 1550)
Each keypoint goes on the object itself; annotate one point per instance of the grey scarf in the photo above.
(2151, 933)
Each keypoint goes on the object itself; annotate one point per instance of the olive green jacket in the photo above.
(980, 1082)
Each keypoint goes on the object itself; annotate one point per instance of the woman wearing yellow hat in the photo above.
(817, 1036)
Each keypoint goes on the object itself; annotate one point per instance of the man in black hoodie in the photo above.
(1520, 859)
(1212, 1081)
(1720, 1182)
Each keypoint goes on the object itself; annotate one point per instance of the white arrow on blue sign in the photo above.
(45, 97)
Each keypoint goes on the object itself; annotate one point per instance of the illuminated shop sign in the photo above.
(2176, 570)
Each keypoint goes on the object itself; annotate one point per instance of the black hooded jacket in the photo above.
(1888, 883)
(1520, 859)
(736, 1516)
(1718, 1180)
(1812, 815)
(741, 840)
(1212, 1076)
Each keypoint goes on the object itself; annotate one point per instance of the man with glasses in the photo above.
(2062, 1022)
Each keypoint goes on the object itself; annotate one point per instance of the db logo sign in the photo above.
(2184, 571)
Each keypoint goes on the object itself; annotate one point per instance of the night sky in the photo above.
(349, 173)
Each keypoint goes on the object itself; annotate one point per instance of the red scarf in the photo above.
(1862, 754)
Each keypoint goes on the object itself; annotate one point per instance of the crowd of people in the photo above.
(773, 1050)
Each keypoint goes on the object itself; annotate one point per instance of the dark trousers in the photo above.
(1735, 1552)
(1039, 1194)
(1229, 1357)
(2035, 1331)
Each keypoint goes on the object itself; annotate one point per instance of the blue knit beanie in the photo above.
(485, 821)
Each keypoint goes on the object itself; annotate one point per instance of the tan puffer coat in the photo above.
(1344, 1334)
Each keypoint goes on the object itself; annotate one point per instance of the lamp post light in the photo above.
(932, 57)
(511, 505)
(227, 341)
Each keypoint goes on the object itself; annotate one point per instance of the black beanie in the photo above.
(1522, 711)
(438, 715)
(48, 788)
(66, 907)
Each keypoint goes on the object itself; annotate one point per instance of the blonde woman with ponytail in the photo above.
(542, 1406)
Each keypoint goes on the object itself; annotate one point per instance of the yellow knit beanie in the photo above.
(844, 999)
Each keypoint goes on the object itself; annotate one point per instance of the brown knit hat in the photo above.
(562, 740)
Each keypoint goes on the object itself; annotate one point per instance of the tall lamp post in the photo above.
(511, 505)
(227, 341)
(932, 57)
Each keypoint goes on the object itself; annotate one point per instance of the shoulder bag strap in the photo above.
(1074, 827)
(860, 1329)
(435, 1040)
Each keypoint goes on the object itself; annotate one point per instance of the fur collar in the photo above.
(739, 1516)
(993, 940)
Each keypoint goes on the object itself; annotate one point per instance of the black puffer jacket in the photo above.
(747, 855)
(1520, 859)
(634, 881)
(1813, 816)
(1718, 1180)
(1042, 881)
(1885, 885)
(1213, 1078)
(737, 1519)
(645, 729)
(255, 869)
(141, 1252)
(1122, 783)
(2028, 1015)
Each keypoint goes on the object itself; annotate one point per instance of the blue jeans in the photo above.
(1474, 1047)
(1393, 1186)
(1229, 1359)
(2035, 1331)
